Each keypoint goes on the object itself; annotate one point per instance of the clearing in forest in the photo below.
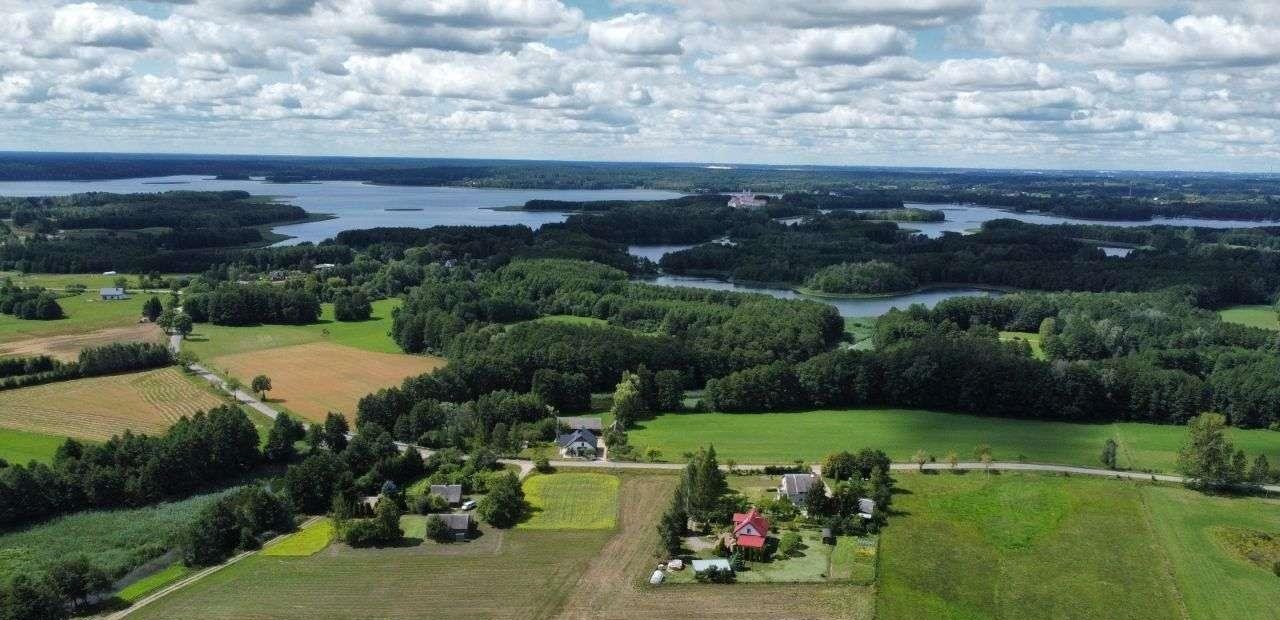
(99, 407)
(314, 379)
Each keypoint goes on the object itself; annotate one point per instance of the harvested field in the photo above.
(314, 379)
(99, 407)
(67, 347)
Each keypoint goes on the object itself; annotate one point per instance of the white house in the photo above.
(580, 443)
(112, 293)
(866, 508)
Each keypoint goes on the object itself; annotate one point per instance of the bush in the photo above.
(437, 530)
(429, 503)
(789, 545)
(504, 505)
(542, 465)
(715, 575)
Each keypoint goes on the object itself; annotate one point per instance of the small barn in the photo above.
(795, 487)
(459, 524)
(112, 293)
(702, 565)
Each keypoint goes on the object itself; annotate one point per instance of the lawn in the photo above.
(1253, 316)
(1037, 350)
(212, 341)
(761, 438)
(99, 407)
(811, 563)
(571, 501)
(569, 319)
(1215, 582)
(313, 379)
(20, 447)
(153, 582)
(1022, 546)
(116, 540)
(309, 540)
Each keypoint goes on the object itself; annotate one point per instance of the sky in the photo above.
(1101, 84)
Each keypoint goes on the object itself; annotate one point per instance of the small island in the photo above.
(863, 278)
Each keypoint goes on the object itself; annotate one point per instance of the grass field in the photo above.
(307, 541)
(99, 407)
(20, 447)
(1213, 580)
(571, 501)
(153, 582)
(761, 438)
(1037, 350)
(854, 559)
(1253, 316)
(212, 341)
(85, 313)
(569, 319)
(502, 574)
(311, 380)
(1022, 546)
(116, 540)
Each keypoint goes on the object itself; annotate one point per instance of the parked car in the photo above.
(469, 504)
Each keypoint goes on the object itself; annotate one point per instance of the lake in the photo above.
(875, 306)
(967, 218)
(358, 205)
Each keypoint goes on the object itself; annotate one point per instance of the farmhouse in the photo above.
(795, 487)
(579, 443)
(459, 524)
(581, 424)
(451, 493)
(112, 293)
(750, 530)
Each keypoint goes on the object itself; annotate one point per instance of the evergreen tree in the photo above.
(1109, 453)
(1260, 473)
(152, 309)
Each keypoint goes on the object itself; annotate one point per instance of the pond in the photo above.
(874, 306)
(358, 205)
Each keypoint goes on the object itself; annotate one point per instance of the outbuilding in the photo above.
(452, 493)
(112, 293)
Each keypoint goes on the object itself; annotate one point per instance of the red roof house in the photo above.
(750, 529)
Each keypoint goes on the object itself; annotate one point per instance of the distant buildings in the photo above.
(746, 200)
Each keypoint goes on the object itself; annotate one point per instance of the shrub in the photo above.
(437, 530)
(715, 575)
(789, 544)
(542, 465)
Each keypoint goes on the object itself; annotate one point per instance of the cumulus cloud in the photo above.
(1014, 82)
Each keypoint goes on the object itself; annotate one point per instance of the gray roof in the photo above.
(451, 493)
(111, 291)
(797, 483)
(581, 423)
(575, 436)
(456, 521)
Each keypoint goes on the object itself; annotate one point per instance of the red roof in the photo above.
(755, 542)
(751, 517)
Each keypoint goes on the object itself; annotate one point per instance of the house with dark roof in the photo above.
(459, 524)
(795, 487)
(581, 443)
(452, 493)
(750, 530)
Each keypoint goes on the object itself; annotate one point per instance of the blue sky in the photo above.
(1136, 84)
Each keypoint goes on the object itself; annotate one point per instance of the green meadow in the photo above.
(1253, 316)
(210, 341)
(1022, 546)
(21, 447)
(85, 312)
(762, 438)
(159, 579)
(571, 501)
(1032, 339)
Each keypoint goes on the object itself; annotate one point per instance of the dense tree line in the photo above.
(239, 521)
(237, 304)
(132, 470)
(92, 361)
(176, 209)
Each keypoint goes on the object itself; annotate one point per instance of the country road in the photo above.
(526, 466)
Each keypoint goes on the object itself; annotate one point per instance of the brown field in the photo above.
(314, 379)
(613, 584)
(99, 407)
(67, 347)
